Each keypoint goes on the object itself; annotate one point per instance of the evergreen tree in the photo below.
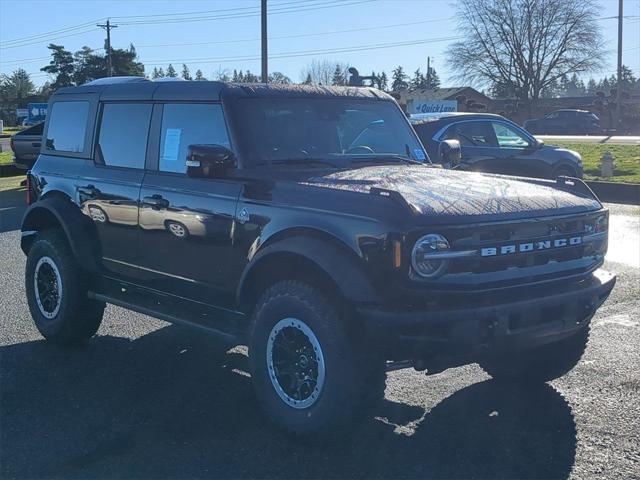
(592, 87)
(418, 82)
(161, 73)
(432, 80)
(308, 80)
(250, 77)
(399, 79)
(375, 81)
(338, 76)
(15, 88)
(156, 73)
(199, 75)
(234, 77)
(171, 72)
(185, 72)
(384, 82)
(61, 65)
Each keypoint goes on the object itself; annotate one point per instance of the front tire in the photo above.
(307, 374)
(541, 364)
(57, 292)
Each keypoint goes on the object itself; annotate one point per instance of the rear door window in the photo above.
(67, 127)
(189, 124)
(124, 129)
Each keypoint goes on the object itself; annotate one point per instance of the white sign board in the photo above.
(22, 112)
(433, 106)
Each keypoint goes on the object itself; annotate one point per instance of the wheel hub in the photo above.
(47, 284)
(295, 363)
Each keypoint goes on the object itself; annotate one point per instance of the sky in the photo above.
(215, 35)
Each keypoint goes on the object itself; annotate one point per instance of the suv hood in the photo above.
(451, 193)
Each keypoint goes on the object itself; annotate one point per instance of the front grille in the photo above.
(498, 235)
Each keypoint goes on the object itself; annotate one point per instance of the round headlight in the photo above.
(424, 256)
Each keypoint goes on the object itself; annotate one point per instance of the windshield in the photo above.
(325, 132)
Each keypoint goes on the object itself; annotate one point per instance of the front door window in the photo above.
(509, 137)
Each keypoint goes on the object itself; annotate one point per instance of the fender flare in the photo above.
(78, 229)
(343, 268)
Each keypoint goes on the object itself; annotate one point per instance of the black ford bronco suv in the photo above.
(307, 223)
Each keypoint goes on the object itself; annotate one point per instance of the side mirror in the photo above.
(538, 144)
(449, 153)
(209, 161)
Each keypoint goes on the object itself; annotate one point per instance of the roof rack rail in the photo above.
(117, 80)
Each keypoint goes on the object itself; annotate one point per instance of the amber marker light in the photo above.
(397, 254)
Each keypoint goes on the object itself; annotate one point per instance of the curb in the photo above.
(627, 193)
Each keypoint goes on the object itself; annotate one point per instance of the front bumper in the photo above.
(466, 333)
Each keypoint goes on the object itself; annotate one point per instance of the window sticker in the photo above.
(419, 154)
(171, 144)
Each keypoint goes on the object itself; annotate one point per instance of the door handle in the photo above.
(155, 201)
(89, 190)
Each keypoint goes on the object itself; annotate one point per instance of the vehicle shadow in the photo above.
(12, 208)
(177, 404)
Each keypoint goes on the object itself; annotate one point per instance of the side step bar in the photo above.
(170, 316)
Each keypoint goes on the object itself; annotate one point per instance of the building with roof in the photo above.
(460, 99)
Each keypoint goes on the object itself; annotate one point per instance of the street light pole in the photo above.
(619, 87)
(265, 67)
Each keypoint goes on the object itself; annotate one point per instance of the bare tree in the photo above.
(526, 45)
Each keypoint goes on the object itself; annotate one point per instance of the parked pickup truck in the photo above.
(26, 146)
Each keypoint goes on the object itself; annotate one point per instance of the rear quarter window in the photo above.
(67, 127)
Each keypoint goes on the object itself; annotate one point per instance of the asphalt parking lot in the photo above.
(145, 399)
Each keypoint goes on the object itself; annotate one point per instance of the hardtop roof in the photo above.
(139, 88)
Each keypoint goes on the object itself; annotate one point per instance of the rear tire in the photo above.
(56, 290)
(299, 336)
(541, 364)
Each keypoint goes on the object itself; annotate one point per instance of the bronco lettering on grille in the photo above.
(526, 247)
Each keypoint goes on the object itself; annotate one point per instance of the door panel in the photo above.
(187, 235)
(187, 224)
(109, 188)
(110, 198)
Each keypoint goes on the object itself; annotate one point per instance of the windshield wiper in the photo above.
(300, 161)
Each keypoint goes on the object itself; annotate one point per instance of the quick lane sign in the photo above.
(36, 112)
(433, 106)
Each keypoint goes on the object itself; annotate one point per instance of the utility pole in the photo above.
(619, 87)
(429, 73)
(107, 26)
(265, 66)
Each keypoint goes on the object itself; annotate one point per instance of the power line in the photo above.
(274, 11)
(280, 37)
(207, 11)
(36, 42)
(304, 53)
(297, 6)
(301, 35)
(52, 32)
